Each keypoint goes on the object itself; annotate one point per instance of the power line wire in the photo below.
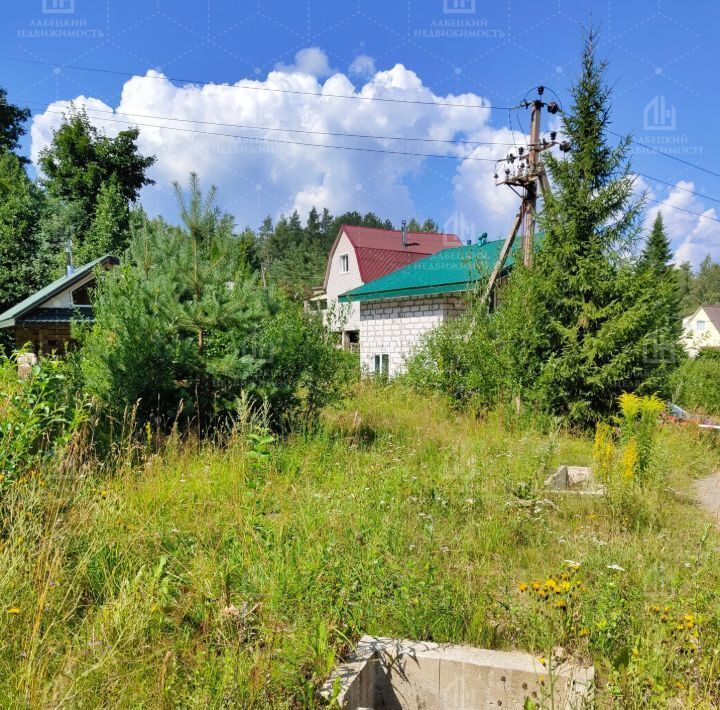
(668, 155)
(682, 209)
(678, 187)
(283, 130)
(253, 88)
(372, 150)
(289, 142)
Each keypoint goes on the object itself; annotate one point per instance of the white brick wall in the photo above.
(395, 326)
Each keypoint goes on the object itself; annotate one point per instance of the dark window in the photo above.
(81, 296)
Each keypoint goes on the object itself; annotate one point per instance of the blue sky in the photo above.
(662, 58)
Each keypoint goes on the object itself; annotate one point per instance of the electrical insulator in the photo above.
(541, 90)
(495, 176)
(565, 146)
(553, 135)
(552, 107)
(521, 150)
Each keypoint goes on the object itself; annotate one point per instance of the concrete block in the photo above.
(574, 479)
(399, 674)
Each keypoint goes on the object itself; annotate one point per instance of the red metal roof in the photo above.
(381, 251)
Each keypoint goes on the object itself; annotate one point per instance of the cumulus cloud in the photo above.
(363, 66)
(693, 237)
(312, 61)
(278, 174)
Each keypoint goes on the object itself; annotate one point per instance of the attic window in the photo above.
(81, 295)
(344, 263)
(700, 326)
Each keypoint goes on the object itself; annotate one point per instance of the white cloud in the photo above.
(255, 178)
(692, 237)
(312, 61)
(362, 66)
(44, 124)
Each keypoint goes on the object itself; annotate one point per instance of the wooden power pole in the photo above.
(525, 170)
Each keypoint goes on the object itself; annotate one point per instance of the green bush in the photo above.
(38, 414)
(696, 383)
(184, 329)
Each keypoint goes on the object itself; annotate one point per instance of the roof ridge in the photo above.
(7, 318)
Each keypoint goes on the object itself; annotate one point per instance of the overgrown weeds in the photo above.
(237, 572)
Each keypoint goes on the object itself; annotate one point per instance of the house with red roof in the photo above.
(363, 254)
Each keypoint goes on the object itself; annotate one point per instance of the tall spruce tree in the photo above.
(657, 281)
(590, 333)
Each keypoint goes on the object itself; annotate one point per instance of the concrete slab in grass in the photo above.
(393, 674)
(574, 479)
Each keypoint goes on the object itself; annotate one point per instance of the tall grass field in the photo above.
(239, 575)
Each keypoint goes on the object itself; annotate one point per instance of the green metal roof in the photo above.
(47, 316)
(16, 313)
(448, 271)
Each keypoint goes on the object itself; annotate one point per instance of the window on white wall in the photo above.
(700, 326)
(344, 263)
(382, 365)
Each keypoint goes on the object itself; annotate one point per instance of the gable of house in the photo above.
(702, 328)
(44, 318)
(362, 254)
(381, 251)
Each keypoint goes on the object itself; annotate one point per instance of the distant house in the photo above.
(362, 254)
(43, 319)
(702, 329)
(397, 310)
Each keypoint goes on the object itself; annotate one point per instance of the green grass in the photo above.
(210, 578)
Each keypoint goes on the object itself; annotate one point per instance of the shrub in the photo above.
(695, 383)
(183, 329)
(38, 415)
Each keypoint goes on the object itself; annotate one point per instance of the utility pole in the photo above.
(530, 200)
(525, 170)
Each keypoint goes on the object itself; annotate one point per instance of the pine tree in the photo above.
(589, 336)
(657, 253)
(658, 283)
(706, 284)
(430, 225)
(326, 227)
